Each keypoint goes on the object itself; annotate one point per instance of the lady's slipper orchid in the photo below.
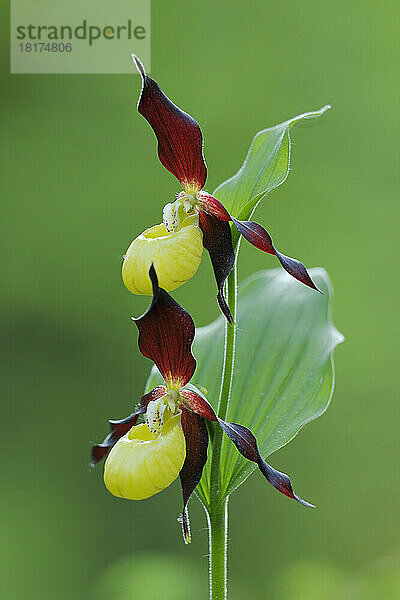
(146, 458)
(176, 255)
(180, 150)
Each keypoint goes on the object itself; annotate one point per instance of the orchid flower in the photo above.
(145, 458)
(180, 150)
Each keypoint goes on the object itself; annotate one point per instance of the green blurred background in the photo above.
(80, 179)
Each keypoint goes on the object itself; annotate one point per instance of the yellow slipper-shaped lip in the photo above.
(142, 464)
(176, 256)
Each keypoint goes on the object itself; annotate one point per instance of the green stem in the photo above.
(218, 539)
(218, 509)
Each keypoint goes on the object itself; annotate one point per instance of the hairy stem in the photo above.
(218, 510)
(218, 536)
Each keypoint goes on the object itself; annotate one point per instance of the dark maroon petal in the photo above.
(197, 404)
(217, 239)
(122, 426)
(166, 333)
(260, 238)
(118, 429)
(246, 443)
(180, 141)
(212, 206)
(196, 435)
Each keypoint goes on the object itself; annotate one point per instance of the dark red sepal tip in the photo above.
(139, 65)
(281, 482)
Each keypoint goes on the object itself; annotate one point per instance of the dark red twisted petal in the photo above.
(166, 333)
(180, 141)
(246, 443)
(122, 426)
(260, 238)
(196, 435)
(253, 232)
(217, 239)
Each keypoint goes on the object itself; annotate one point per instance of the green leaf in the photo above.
(283, 372)
(266, 166)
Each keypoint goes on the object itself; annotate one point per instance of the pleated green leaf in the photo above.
(283, 375)
(266, 166)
